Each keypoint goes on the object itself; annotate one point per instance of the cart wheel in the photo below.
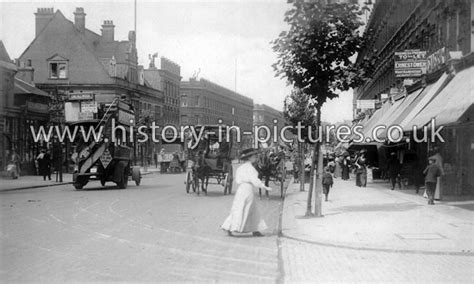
(102, 181)
(193, 182)
(189, 182)
(196, 184)
(122, 184)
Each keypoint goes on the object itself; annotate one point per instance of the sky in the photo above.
(227, 40)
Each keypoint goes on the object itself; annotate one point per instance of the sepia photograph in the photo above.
(237, 141)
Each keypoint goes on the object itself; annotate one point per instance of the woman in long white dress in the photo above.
(245, 216)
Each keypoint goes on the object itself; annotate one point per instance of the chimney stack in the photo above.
(108, 31)
(43, 16)
(80, 19)
(25, 72)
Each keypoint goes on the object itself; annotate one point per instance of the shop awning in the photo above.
(451, 103)
(415, 99)
(386, 117)
(375, 119)
(22, 87)
(397, 114)
(423, 100)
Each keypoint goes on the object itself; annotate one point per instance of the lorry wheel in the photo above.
(122, 184)
(80, 182)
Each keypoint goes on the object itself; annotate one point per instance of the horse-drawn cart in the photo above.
(208, 158)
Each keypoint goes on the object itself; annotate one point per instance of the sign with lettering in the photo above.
(106, 158)
(436, 60)
(126, 118)
(81, 96)
(86, 115)
(365, 104)
(89, 107)
(410, 63)
(37, 107)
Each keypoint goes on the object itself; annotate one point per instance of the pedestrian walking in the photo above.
(361, 169)
(338, 168)
(44, 164)
(393, 170)
(13, 164)
(327, 182)
(439, 162)
(432, 173)
(244, 215)
(331, 165)
(346, 163)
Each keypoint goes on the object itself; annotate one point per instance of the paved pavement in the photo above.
(374, 234)
(154, 232)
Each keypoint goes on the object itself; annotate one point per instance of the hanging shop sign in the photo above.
(410, 63)
(436, 60)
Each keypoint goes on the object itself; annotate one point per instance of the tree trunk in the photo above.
(310, 190)
(318, 186)
(301, 165)
(315, 157)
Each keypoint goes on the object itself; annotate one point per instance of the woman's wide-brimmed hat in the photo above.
(247, 153)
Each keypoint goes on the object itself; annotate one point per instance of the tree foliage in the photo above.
(298, 107)
(315, 54)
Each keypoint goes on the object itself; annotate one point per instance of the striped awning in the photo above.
(452, 103)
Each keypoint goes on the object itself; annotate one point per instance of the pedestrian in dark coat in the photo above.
(327, 182)
(432, 172)
(393, 170)
(345, 165)
(44, 164)
(361, 169)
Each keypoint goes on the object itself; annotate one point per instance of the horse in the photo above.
(267, 167)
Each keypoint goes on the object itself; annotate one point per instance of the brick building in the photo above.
(266, 115)
(427, 25)
(167, 79)
(204, 102)
(21, 105)
(67, 57)
(441, 33)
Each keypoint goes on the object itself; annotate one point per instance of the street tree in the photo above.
(315, 56)
(299, 108)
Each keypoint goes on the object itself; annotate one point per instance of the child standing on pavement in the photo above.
(432, 172)
(327, 182)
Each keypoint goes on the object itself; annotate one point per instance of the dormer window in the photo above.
(58, 70)
(58, 67)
